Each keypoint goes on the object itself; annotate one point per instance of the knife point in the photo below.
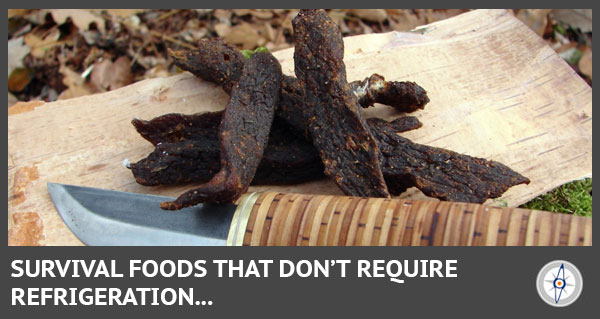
(52, 186)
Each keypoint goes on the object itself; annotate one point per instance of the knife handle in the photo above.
(280, 219)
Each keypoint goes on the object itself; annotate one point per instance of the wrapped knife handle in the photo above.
(278, 219)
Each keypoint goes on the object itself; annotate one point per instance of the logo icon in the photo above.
(559, 283)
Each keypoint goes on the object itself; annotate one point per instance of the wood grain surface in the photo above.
(497, 91)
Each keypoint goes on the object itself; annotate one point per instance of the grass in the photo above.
(571, 198)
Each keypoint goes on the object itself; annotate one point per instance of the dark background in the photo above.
(491, 282)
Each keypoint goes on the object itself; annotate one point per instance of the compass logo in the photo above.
(559, 283)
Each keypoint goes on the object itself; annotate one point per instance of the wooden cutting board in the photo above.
(497, 91)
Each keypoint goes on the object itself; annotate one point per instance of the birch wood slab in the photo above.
(497, 91)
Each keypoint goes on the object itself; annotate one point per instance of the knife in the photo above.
(108, 217)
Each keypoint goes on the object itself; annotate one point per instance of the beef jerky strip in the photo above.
(404, 96)
(291, 104)
(289, 159)
(188, 160)
(214, 61)
(441, 173)
(243, 133)
(346, 146)
(187, 150)
(174, 127)
(437, 172)
(218, 62)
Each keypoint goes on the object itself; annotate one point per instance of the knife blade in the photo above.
(108, 217)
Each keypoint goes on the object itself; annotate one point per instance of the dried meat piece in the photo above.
(440, 173)
(188, 160)
(290, 159)
(399, 125)
(217, 62)
(243, 133)
(403, 96)
(346, 146)
(174, 127)
(214, 61)
(291, 105)
(187, 150)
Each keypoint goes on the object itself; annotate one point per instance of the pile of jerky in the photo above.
(277, 129)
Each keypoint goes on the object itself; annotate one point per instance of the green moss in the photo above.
(571, 198)
(560, 29)
(248, 53)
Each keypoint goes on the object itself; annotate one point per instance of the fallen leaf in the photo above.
(203, 12)
(91, 37)
(132, 21)
(70, 77)
(193, 32)
(158, 71)
(536, 19)
(222, 29)
(565, 47)
(338, 18)
(41, 40)
(81, 18)
(262, 14)
(124, 13)
(365, 28)
(17, 50)
(243, 34)
(108, 75)
(37, 17)
(437, 15)
(272, 47)
(576, 18)
(374, 15)
(75, 83)
(585, 63)
(17, 12)
(94, 54)
(561, 41)
(17, 27)
(76, 91)
(241, 12)
(18, 79)
(267, 31)
(405, 20)
(21, 32)
(571, 55)
(150, 61)
(223, 15)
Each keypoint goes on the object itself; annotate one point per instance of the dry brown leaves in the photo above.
(567, 31)
(68, 53)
